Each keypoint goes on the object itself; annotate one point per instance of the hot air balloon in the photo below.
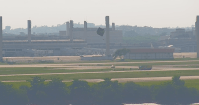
(100, 31)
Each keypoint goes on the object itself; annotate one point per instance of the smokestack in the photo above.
(85, 30)
(71, 30)
(1, 43)
(197, 34)
(113, 26)
(67, 29)
(107, 36)
(85, 25)
(29, 31)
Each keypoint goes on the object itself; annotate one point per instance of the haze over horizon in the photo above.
(154, 13)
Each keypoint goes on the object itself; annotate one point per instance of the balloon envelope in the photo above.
(100, 31)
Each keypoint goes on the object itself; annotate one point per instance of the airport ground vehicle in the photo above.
(145, 67)
(113, 66)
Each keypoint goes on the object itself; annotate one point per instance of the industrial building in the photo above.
(79, 41)
(75, 39)
(180, 39)
(181, 33)
(144, 54)
(90, 35)
(187, 41)
(19, 47)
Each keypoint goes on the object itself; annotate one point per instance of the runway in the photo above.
(90, 65)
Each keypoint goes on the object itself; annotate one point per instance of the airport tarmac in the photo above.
(72, 65)
(78, 58)
(103, 65)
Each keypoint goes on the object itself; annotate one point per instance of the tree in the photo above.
(120, 53)
(176, 81)
(11, 96)
(175, 93)
(134, 93)
(80, 93)
(108, 92)
(36, 93)
(56, 92)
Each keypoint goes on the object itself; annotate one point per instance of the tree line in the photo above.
(107, 92)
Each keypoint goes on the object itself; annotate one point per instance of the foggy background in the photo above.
(154, 13)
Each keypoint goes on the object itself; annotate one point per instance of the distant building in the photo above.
(147, 53)
(7, 28)
(91, 36)
(183, 40)
(22, 33)
(62, 33)
(181, 33)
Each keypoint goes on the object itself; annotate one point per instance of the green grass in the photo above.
(18, 84)
(192, 83)
(135, 74)
(188, 83)
(37, 70)
(31, 70)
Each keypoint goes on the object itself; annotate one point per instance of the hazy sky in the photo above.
(155, 13)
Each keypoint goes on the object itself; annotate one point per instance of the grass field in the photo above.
(127, 74)
(38, 70)
(188, 83)
(137, 74)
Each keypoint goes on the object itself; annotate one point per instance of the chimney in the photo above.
(85, 30)
(107, 36)
(67, 28)
(71, 30)
(29, 31)
(113, 26)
